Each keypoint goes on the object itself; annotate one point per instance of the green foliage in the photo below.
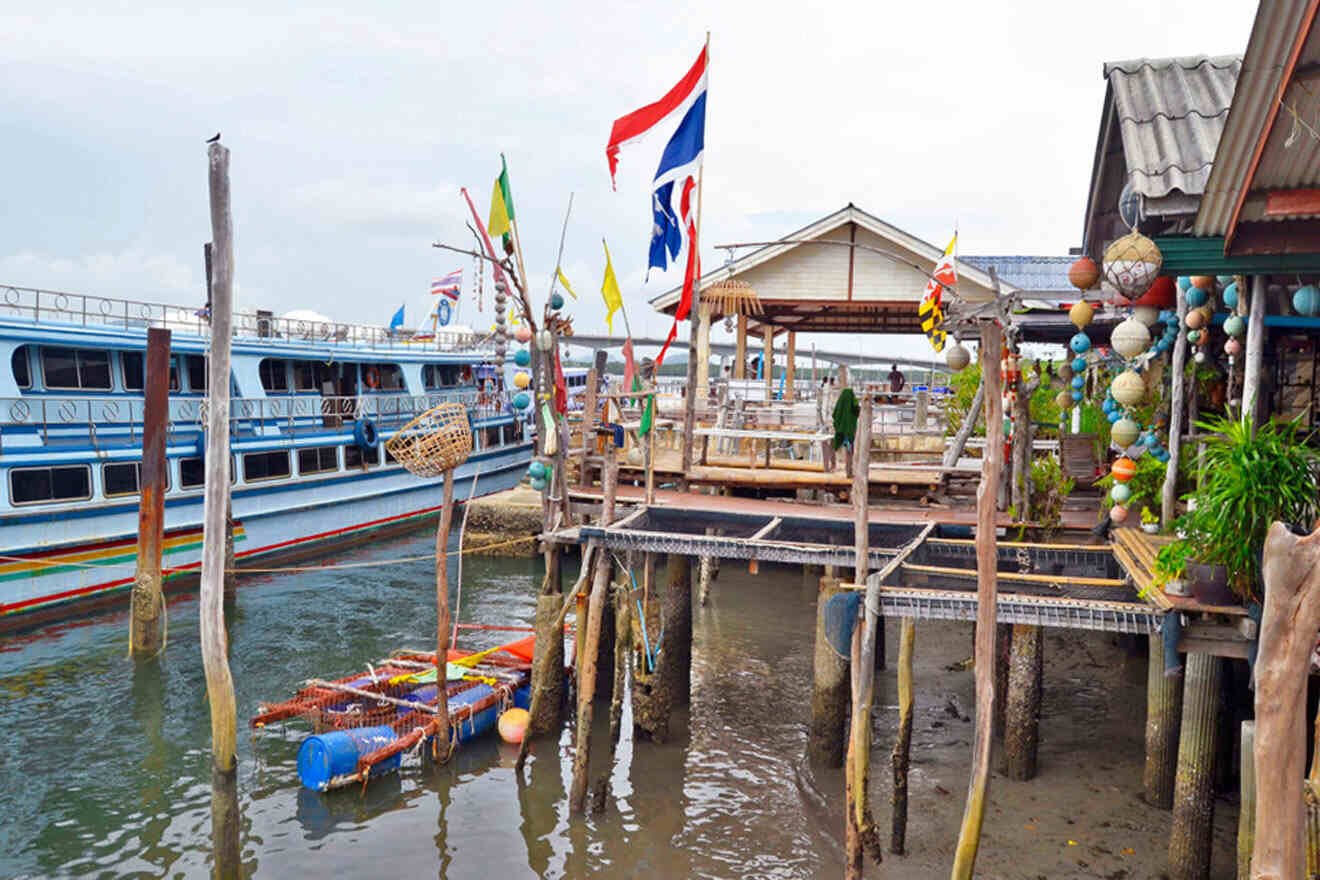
(1252, 478)
(1147, 484)
(1049, 487)
(1171, 561)
(1148, 517)
(964, 384)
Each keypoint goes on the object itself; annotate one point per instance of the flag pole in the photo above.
(559, 257)
(694, 311)
(517, 239)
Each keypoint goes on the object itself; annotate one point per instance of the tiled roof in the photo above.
(1032, 274)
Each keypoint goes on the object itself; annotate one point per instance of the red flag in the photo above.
(485, 239)
(629, 368)
(691, 276)
(561, 389)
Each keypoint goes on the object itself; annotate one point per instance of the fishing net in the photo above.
(438, 440)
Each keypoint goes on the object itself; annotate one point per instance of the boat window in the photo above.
(514, 431)
(22, 373)
(491, 438)
(308, 375)
(197, 372)
(131, 365)
(382, 377)
(192, 472)
(436, 376)
(124, 478)
(318, 460)
(265, 466)
(354, 456)
(273, 374)
(65, 483)
(76, 368)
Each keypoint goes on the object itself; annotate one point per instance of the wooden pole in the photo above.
(690, 400)
(740, 350)
(1252, 361)
(959, 441)
(1193, 794)
(703, 352)
(861, 487)
(214, 640)
(790, 366)
(1169, 494)
(768, 361)
(1022, 702)
(231, 574)
(1246, 839)
(969, 836)
(588, 424)
(903, 742)
(1163, 724)
(674, 669)
(622, 647)
(443, 750)
(829, 691)
(1287, 636)
(148, 600)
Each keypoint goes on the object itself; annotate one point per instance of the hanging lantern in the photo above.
(957, 357)
(1196, 297)
(522, 357)
(1080, 343)
(1132, 263)
(1130, 338)
(1125, 432)
(1233, 347)
(1118, 513)
(1081, 313)
(1149, 316)
(1306, 300)
(1123, 469)
(521, 380)
(1120, 493)
(1160, 295)
(1084, 273)
(1230, 296)
(1063, 399)
(1234, 325)
(1203, 282)
(1195, 319)
(523, 334)
(1128, 389)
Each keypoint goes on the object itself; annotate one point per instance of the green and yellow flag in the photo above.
(564, 281)
(501, 204)
(609, 290)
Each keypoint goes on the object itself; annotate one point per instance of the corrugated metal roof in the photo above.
(1273, 35)
(1033, 274)
(1171, 113)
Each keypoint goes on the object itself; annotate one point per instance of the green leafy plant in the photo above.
(1148, 518)
(1252, 477)
(1171, 562)
(1146, 484)
(964, 384)
(1049, 487)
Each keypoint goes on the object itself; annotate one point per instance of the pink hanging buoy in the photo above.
(1118, 513)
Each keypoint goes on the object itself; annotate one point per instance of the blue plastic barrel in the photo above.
(326, 755)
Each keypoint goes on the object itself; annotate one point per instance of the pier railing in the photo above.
(53, 306)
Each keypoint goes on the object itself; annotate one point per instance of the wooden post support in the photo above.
(148, 599)
(214, 640)
(861, 488)
(588, 424)
(829, 691)
(1255, 351)
(903, 742)
(768, 361)
(1246, 838)
(622, 646)
(231, 573)
(1021, 488)
(987, 588)
(1193, 793)
(1287, 636)
(706, 573)
(443, 745)
(740, 350)
(703, 352)
(547, 685)
(790, 366)
(959, 441)
(1163, 724)
(1022, 702)
(690, 398)
(675, 667)
(1169, 492)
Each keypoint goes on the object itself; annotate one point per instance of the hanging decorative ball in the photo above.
(1232, 347)
(1125, 432)
(1204, 282)
(521, 380)
(1184, 283)
(1128, 389)
(1160, 295)
(1193, 336)
(1123, 469)
(521, 400)
(1066, 372)
(1224, 279)
(1079, 382)
(1130, 338)
(1077, 395)
(957, 357)
(1131, 264)
(1196, 297)
(1163, 455)
(1234, 325)
(1229, 295)
(522, 357)
(1114, 416)
(1149, 316)
(1195, 319)
(523, 334)
(1084, 273)
(545, 340)
(536, 470)
(1118, 513)
(556, 301)
(1306, 300)
(1063, 399)
(1120, 493)
(1080, 343)
(1081, 313)
(1108, 405)
(1200, 356)
(1078, 364)
(538, 484)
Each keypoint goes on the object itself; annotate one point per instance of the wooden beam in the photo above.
(767, 529)
(703, 352)
(740, 355)
(768, 361)
(790, 366)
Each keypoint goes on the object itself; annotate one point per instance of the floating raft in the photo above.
(362, 724)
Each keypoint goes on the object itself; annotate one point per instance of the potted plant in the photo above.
(1150, 523)
(1252, 477)
(1170, 566)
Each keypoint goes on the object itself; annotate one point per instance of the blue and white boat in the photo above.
(313, 402)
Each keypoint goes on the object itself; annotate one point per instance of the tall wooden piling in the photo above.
(1246, 839)
(829, 691)
(231, 573)
(214, 641)
(442, 744)
(622, 643)
(674, 669)
(987, 588)
(148, 600)
(1164, 701)
(1193, 794)
(1022, 702)
(901, 757)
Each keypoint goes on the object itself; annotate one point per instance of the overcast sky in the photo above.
(353, 127)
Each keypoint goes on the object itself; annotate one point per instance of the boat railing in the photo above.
(53, 306)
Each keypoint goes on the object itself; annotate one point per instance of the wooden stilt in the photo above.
(768, 361)
(1193, 794)
(829, 692)
(790, 367)
(1003, 656)
(705, 575)
(147, 600)
(675, 667)
(231, 575)
(547, 683)
(1169, 491)
(987, 559)
(443, 744)
(740, 349)
(622, 644)
(903, 742)
(1246, 838)
(1022, 702)
(1163, 724)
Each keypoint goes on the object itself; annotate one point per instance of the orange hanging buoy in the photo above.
(513, 725)
(1124, 469)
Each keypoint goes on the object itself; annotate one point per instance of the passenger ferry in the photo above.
(313, 403)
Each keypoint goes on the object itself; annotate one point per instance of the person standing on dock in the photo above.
(896, 382)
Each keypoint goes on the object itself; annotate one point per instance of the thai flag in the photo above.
(450, 285)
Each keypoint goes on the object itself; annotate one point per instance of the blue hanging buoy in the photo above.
(521, 400)
(1224, 279)
(1080, 343)
(522, 357)
(1230, 296)
(1114, 416)
(1196, 297)
(1184, 283)
(536, 470)
(556, 301)
(1079, 382)
(1079, 365)
(1077, 395)
(1306, 300)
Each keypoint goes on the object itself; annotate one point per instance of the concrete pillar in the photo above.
(830, 695)
(1163, 723)
(1193, 793)
(1022, 706)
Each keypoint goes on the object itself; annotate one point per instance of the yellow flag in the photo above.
(564, 281)
(499, 212)
(609, 290)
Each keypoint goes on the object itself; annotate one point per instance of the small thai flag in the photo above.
(450, 285)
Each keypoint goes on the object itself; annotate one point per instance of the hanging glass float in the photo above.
(1203, 282)
(536, 470)
(1131, 264)
(1195, 319)
(523, 334)
(521, 400)
(521, 380)
(1079, 382)
(1306, 300)
(1084, 273)
(1128, 389)
(1079, 364)
(556, 300)
(538, 484)
(1232, 347)
(1080, 343)
(1125, 432)
(1076, 396)
(1130, 338)
(957, 357)
(1118, 513)
(1064, 399)
(1234, 326)
(1193, 336)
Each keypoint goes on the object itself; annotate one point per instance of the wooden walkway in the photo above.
(1136, 551)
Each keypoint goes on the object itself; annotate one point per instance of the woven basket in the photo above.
(438, 440)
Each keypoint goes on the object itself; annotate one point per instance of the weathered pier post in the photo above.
(1193, 793)
(622, 646)
(861, 490)
(442, 745)
(674, 669)
(1169, 490)
(148, 598)
(1164, 701)
(547, 685)
(231, 574)
(1022, 702)
(214, 642)
(829, 693)
(901, 757)
(1246, 839)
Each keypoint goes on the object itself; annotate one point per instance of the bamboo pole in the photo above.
(1251, 369)
(147, 600)
(903, 743)
(214, 640)
(442, 617)
(992, 466)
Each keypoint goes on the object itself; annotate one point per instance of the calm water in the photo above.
(105, 769)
